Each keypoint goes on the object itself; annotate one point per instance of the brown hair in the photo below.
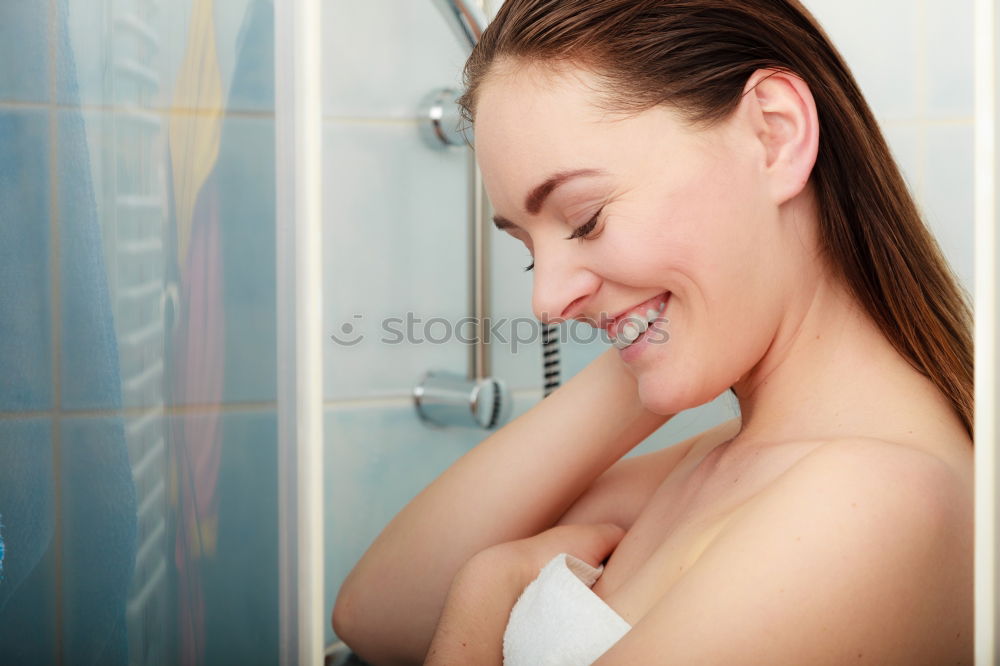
(696, 56)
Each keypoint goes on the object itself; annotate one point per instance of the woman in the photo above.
(718, 174)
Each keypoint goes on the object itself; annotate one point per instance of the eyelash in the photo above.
(580, 232)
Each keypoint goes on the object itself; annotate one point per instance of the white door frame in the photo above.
(298, 174)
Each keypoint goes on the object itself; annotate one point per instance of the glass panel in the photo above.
(138, 490)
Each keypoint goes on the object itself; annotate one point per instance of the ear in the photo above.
(783, 115)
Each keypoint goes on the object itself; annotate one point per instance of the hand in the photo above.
(524, 558)
(485, 589)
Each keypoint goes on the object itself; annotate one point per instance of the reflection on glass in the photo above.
(138, 509)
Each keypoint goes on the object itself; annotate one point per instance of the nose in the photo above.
(562, 285)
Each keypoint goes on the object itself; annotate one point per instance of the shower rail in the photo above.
(477, 400)
(465, 18)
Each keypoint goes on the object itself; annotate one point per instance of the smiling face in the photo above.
(689, 213)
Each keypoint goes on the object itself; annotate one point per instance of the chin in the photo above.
(661, 399)
(668, 396)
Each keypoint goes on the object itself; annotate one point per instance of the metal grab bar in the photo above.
(447, 398)
(465, 18)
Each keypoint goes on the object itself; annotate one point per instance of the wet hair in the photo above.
(696, 56)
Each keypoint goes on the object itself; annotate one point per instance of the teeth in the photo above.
(635, 326)
(631, 331)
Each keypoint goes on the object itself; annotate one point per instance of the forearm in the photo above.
(475, 616)
(514, 484)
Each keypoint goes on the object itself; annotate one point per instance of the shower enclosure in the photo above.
(228, 256)
(138, 405)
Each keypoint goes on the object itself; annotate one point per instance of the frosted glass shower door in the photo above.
(138, 399)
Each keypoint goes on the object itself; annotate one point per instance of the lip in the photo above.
(641, 308)
(634, 351)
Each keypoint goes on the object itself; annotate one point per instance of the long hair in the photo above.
(696, 56)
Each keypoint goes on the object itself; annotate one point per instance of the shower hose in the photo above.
(550, 358)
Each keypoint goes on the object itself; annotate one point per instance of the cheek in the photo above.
(719, 222)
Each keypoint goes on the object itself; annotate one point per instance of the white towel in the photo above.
(559, 621)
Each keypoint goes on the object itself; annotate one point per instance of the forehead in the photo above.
(527, 114)
(515, 91)
(533, 121)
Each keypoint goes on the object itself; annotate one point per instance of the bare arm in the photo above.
(620, 494)
(513, 485)
(485, 589)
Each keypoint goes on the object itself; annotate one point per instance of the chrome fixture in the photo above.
(446, 398)
(439, 115)
(476, 399)
(466, 19)
(440, 121)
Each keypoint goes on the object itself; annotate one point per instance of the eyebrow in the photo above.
(536, 197)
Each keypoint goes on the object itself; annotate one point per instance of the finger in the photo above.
(595, 542)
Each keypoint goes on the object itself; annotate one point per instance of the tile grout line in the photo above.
(119, 109)
(400, 400)
(395, 121)
(138, 412)
(395, 399)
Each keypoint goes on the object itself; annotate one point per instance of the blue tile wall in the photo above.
(241, 579)
(242, 218)
(233, 570)
(26, 297)
(510, 294)
(385, 56)
(227, 550)
(948, 195)
(89, 347)
(376, 460)
(98, 539)
(245, 179)
(395, 235)
(240, 213)
(949, 58)
(904, 142)
(27, 520)
(245, 30)
(926, 80)
(889, 77)
(24, 51)
(109, 55)
(83, 47)
(124, 54)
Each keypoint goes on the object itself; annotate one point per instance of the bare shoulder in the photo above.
(869, 485)
(859, 552)
(621, 492)
(883, 473)
(888, 523)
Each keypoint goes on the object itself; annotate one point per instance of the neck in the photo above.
(831, 373)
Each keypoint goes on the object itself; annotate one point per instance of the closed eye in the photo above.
(580, 232)
(586, 228)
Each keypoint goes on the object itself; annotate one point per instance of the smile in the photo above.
(629, 327)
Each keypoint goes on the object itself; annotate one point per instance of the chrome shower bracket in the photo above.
(447, 398)
(440, 121)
